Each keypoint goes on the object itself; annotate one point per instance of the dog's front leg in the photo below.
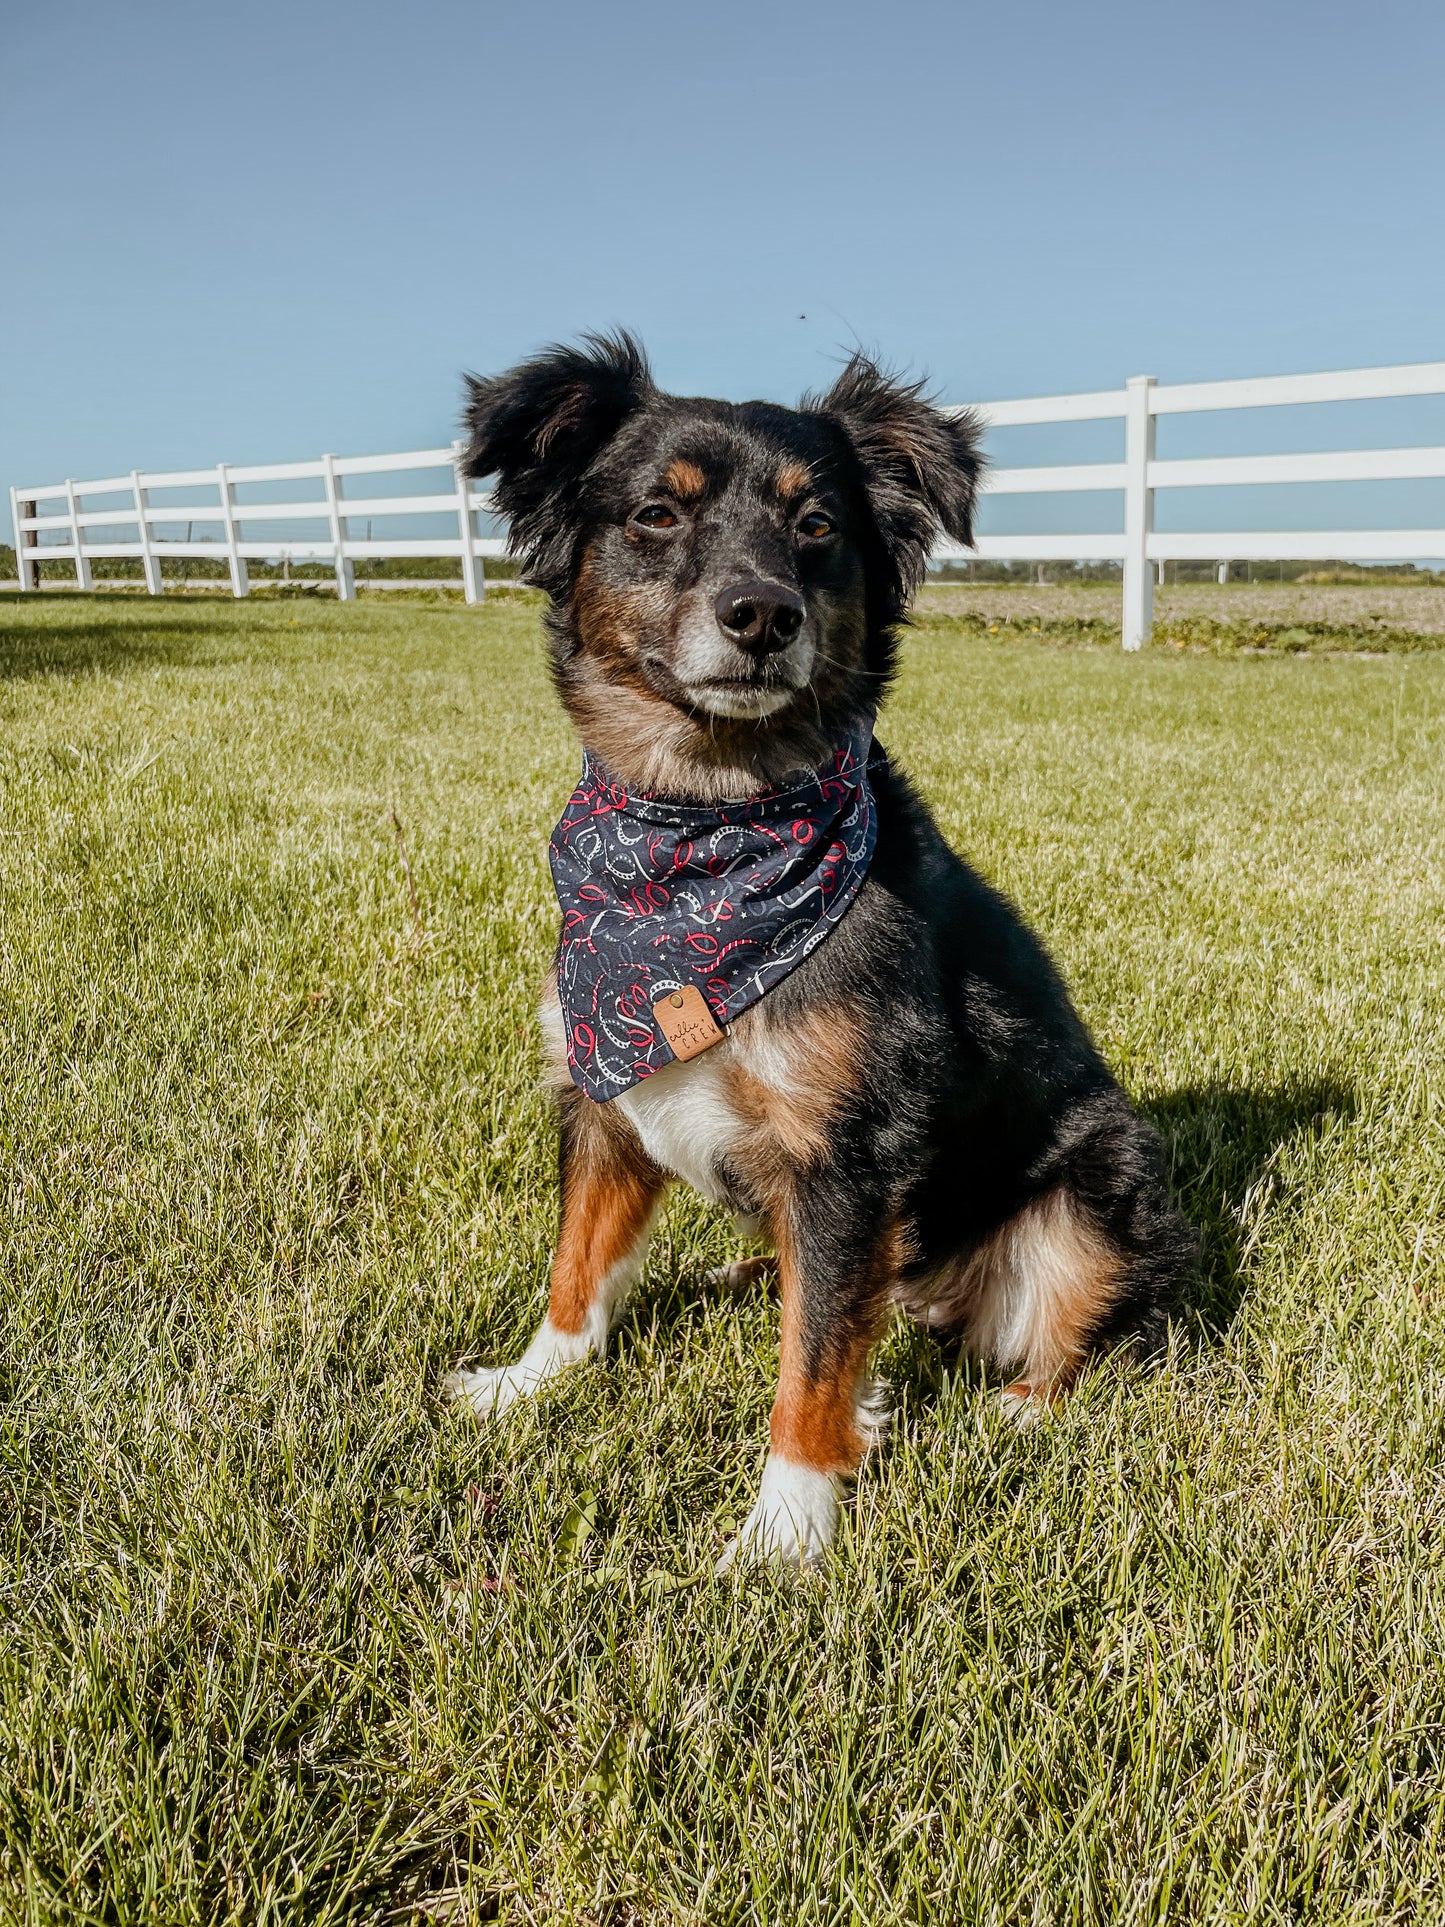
(610, 1192)
(837, 1264)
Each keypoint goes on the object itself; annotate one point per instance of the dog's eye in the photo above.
(655, 515)
(815, 526)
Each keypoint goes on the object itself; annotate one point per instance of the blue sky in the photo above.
(254, 234)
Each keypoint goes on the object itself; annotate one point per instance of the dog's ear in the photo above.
(539, 428)
(921, 468)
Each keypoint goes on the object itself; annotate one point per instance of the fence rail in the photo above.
(459, 499)
(1138, 478)
(1139, 546)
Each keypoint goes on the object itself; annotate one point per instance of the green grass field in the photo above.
(283, 1640)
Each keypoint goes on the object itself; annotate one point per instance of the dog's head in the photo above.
(726, 580)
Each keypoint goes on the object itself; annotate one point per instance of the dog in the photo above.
(909, 1105)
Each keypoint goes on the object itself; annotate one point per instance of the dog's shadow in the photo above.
(1222, 1141)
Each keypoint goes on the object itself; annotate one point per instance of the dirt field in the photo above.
(1419, 607)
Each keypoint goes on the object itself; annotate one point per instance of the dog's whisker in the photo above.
(850, 668)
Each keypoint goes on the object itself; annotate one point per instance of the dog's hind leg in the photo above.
(742, 1275)
(1093, 1264)
(610, 1195)
(1047, 1282)
(837, 1275)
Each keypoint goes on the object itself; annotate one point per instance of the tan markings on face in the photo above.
(794, 479)
(815, 1414)
(609, 621)
(608, 1193)
(640, 736)
(1032, 1294)
(636, 732)
(685, 480)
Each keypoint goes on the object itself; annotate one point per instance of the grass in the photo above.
(1240, 618)
(281, 1640)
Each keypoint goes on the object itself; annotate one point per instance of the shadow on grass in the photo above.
(1223, 1142)
(78, 641)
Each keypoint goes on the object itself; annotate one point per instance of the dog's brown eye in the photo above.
(656, 515)
(815, 525)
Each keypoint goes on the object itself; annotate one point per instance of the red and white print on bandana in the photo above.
(658, 895)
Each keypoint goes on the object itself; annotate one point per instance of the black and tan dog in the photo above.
(915, 1113)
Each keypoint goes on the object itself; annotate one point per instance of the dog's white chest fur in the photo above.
(685, 1121)
(681, 1113)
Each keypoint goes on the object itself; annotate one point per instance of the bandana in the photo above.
(701, 906)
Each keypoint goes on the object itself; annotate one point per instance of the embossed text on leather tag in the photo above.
(686, 1022)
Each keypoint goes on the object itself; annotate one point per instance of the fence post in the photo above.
(474, 576)
(149, 560)
(24, 538)
(1138, 511)
(31, 568)
(345, 570)
(82, 560)
(240, 583)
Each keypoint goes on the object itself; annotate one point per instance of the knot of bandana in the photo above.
(727, 898)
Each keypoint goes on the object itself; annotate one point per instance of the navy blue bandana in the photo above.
(717, 899)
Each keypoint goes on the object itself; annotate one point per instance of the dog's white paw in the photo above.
(496, 1388)
(742, 1275)
(1021, 1403)
(489, 1392)
(793, 1523)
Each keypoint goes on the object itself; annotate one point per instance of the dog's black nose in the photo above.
(760, 616)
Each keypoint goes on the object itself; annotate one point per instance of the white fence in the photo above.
(1138, 477)
(84, 532)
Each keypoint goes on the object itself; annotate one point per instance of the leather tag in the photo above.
(686, 1022)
